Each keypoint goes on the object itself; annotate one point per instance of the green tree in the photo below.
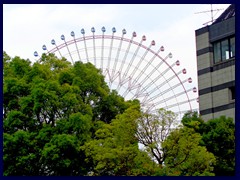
(51, 108)
(115, 151)
(152, 131)
(114, 146)
(62, 119)
(218, 136)
(184, 155)
(62, 156)
(20, 154)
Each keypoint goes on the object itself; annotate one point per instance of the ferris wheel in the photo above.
(133, 67)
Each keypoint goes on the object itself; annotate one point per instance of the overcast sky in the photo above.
(27, 27)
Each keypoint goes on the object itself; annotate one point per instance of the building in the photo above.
(215, 46)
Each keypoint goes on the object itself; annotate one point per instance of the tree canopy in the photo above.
(62, 119)
(51, 109)
(184, 155)
(218, 136)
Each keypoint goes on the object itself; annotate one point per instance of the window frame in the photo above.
(232, 93)
(220, 48)
(230, 45)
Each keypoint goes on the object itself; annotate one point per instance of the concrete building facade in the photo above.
(215, 46)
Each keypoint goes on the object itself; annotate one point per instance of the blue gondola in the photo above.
(35, 54)
(44, 47)
(53, 42)
(103, 29)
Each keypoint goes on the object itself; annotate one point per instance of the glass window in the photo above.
(225, 49)
(232, 47)
(232, 93)
(217, 52)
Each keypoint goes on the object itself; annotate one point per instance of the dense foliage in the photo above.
(62, 119)
(218, 136)
(50, 111)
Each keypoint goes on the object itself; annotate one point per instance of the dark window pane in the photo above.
(225, 49)
(232, 47)
(217, 52)
(232, 93)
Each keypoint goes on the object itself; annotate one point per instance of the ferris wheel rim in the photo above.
(131, 41)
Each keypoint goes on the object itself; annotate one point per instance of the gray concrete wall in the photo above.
(214, 82)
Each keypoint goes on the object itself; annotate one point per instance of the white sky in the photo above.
(27, 27)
